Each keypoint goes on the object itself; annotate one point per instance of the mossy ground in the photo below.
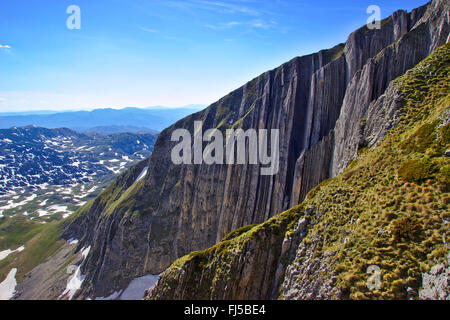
(390, 207)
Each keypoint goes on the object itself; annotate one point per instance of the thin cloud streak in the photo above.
(148, 30)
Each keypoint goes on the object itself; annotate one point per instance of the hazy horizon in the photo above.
(50, 111)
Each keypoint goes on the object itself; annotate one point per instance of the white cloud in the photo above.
(5, 46)
(223, 25)
(148, 30)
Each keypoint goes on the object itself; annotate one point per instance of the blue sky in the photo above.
(152, 52)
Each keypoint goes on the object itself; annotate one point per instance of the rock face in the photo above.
(436, 283)
(370, 81)
(316, 102)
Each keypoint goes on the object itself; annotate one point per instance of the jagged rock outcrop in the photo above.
(370, 217)
(370, 81)
(372, 60)
(316, 102)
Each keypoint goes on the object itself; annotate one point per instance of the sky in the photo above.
(140, 53)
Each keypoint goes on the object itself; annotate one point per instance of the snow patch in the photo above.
(8, 286)
(113, 170)
(74, 283)
(5, 253)
(58, 208)
(135, 290)
(85, 252)
(75, 164)
(91, 190)
(114, 296)
(12, 205)
(72, 241)
(137, 287)
(42, 213)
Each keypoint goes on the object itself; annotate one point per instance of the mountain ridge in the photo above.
(318, 102)
(152, 118)
(371, 215)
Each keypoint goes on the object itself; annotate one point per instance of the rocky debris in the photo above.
(308, 277)
(436, 282)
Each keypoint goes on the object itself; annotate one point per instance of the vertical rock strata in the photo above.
(316, 102)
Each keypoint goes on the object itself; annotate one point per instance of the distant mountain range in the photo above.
(102, 120)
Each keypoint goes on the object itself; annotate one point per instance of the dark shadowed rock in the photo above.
(317, 103)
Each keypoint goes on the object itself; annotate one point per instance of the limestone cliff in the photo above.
(317, 103)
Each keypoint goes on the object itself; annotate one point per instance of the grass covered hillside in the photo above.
(389, 208)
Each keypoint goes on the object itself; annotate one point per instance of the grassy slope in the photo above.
(387, 209)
